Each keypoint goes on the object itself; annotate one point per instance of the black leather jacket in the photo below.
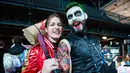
(85, 54)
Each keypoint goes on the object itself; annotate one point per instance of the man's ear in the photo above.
(86, 15)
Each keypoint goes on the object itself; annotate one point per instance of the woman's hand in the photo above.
(50, 65)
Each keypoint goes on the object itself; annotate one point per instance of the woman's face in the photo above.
(54, 29)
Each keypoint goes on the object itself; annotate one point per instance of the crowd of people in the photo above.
(77, 52)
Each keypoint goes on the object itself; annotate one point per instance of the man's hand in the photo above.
(115, 59)
(50, 65)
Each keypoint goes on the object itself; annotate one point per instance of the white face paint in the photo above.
(75, 16)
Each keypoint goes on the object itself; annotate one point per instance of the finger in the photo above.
(54, 61)
(51, 62)
(54, 67)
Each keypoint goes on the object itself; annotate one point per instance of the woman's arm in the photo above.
(31, 61)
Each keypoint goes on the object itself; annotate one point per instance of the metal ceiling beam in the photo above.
(109, 3)
(120, 5)
(32, 6)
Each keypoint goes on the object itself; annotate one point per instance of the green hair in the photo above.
(73, 4)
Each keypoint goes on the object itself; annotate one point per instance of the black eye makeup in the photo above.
(70, 16)
(78, 13)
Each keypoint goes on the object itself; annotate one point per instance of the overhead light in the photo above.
(117, 43)
(126, 11)
(126, 8)
(111, 42)
(115, 5)
(104, 37)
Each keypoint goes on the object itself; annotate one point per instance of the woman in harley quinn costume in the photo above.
(37, 61)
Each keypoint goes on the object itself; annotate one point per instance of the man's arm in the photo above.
(64, 57)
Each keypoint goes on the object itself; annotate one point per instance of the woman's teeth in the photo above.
(56, 31)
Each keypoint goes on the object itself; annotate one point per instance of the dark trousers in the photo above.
(108, 69)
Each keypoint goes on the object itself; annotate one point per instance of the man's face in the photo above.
(76, 18)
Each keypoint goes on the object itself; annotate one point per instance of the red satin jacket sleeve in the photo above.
(34, 60)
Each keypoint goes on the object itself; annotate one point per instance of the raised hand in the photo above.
(50, 65)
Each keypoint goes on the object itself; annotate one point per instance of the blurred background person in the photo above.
(110, 65)
(14, 58)
(127, 60)
(2, 51)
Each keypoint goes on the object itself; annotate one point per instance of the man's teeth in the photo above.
(77, 23)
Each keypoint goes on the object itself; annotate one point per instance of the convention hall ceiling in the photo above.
(27, 12)
(119, 10)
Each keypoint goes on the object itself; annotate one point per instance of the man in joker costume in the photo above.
(85, 49)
